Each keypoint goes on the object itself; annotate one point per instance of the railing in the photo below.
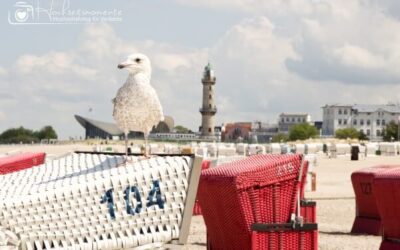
(209, 110)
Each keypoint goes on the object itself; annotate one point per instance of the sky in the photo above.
(269, 57)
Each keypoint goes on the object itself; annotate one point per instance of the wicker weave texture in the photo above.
(309, 213)
(386, 187)
(81, 202)
(285, 240)
(196, 208)
(367, 219)
(258, 189)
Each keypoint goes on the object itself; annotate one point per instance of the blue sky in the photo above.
(269, 56)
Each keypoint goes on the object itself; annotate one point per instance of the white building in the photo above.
(369, 119)
(286, 121)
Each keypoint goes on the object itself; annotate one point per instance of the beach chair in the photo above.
(255, 204)
(14, 163)
(386, 187)
(368, 219)
(148, 202)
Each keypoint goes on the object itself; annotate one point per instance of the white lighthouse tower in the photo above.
(208, 110)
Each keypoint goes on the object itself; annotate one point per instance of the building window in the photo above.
(340, 111)
(378, 122)
(283, 119)
(368, 132)
(362, 131)
(209, 105)
(298, 119)
(383, 123)
(355, 122)
(209, 96)
(209, 130)
(304, 119)
(345, 122)
(287, 119)
(345, 111)
(361, 122)
(210, 88)
(292, 119)
(368, 122)
(378, 132)
(340, 121)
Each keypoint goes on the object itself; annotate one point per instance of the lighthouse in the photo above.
(208, 109)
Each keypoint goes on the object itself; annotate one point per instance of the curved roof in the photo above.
(112, 128)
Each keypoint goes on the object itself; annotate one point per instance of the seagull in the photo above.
(136, 106)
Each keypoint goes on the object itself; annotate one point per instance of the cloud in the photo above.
(58, 84)
(281, 56)
(351, 41)
(354, 45)
(253, 6)
(3, 71)
(2, 116)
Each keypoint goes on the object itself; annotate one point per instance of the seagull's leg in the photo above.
(146, 153)
(126, 147)
(126, 151)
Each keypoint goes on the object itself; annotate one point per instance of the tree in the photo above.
(302, 131)
(390, 133)
(181, 129)
(345, 133)
(47, 132)
(280, 138)
(21, 134)
(362, 136)
(18, 135)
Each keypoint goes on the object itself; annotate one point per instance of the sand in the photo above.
(334, 196)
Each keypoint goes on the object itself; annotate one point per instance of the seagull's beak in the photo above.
(122, 65)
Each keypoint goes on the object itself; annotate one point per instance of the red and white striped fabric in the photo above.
(19, 162)
(258, 189)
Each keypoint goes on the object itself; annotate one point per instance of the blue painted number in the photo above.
(154, 198)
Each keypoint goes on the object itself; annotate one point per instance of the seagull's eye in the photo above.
(137, 60)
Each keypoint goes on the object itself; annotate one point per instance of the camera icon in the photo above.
(21, 14)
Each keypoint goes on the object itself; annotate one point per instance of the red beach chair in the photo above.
(386, 187)
(196, 208)
(368, 220)
(9, 164)
(251, 204)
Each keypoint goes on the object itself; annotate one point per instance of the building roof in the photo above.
(392, 108)
(110, 128)
(369, 108)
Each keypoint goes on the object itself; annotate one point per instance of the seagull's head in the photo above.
(136, 63)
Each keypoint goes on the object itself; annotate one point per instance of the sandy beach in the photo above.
(334, 196)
